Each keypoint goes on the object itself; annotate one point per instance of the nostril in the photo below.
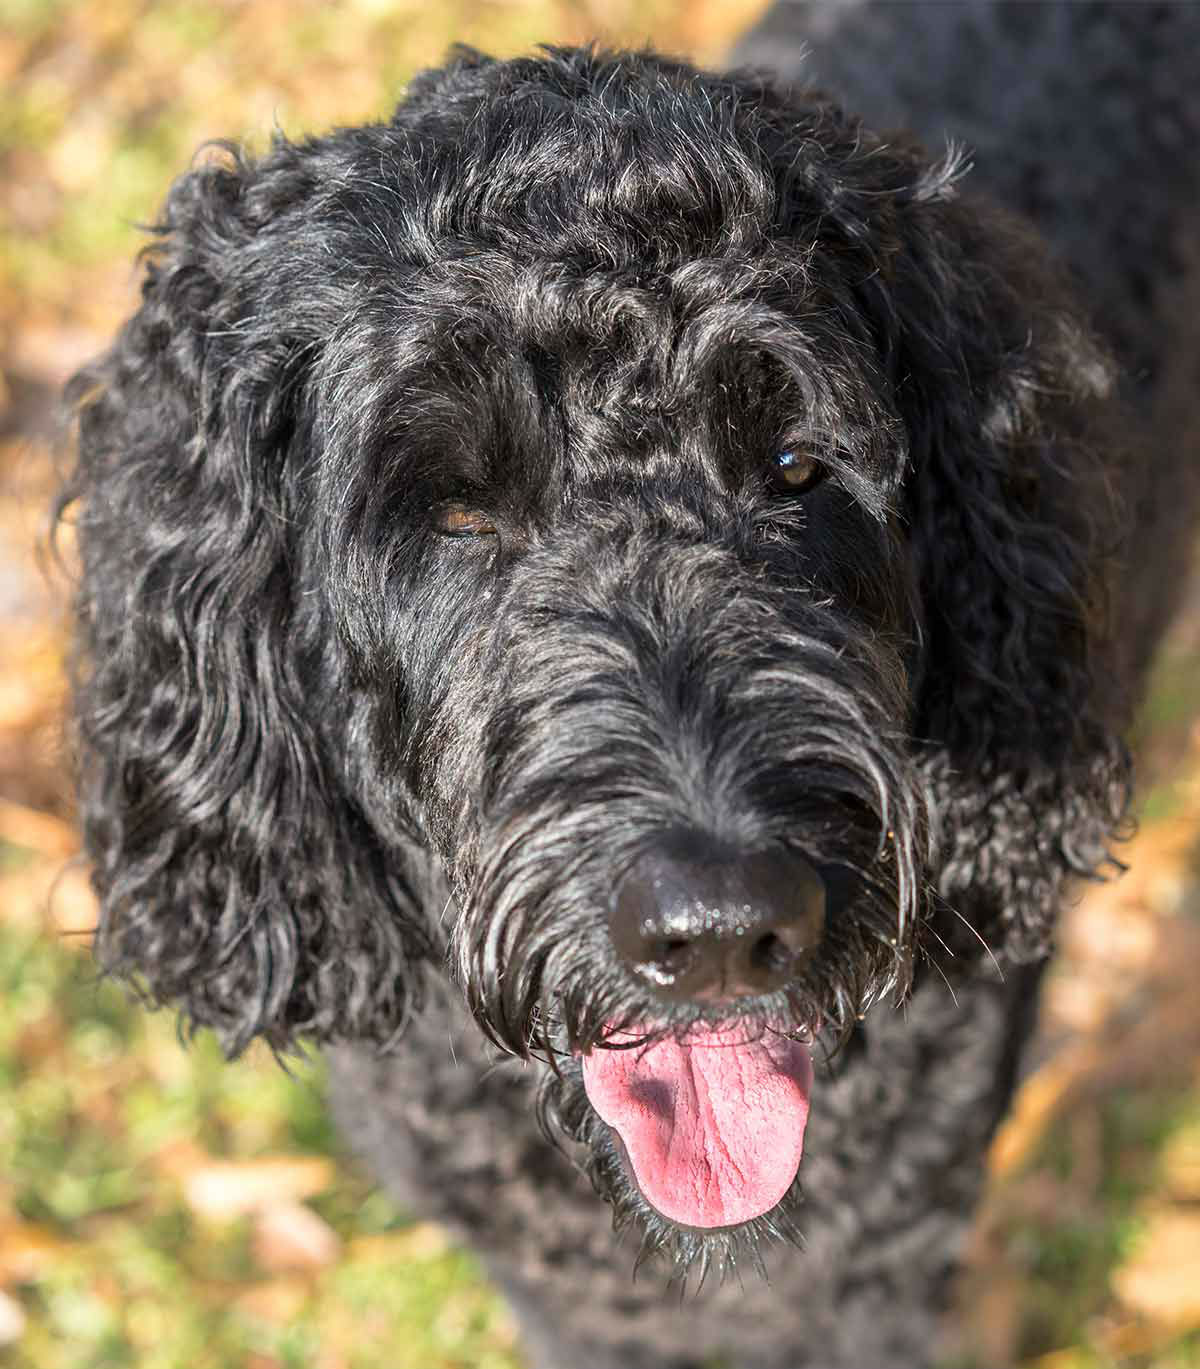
(673, 955)
(666, 960)
(771, 955)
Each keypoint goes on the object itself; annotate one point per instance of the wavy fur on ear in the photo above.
(235, 876)
(1013, 444)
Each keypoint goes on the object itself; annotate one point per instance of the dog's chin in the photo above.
(709, 1128)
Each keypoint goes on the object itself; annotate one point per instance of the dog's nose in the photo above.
(706, 926)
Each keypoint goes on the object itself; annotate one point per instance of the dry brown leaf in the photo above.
(292, 1237)
(32, 686)
(22, 704)
(277, 1301)
(41, 832)
(422, 1241)
(180, 1157)
(12, 54)
(1135, 1337)
(26, 1250)
(12, 1320)
(40, 1041)
(1181, 1165)
(223, 1190)
(1162, 1278)
(72, 907)
(47, 895)
(996, 1309)
(1037, 1103)
(23, 896)
(1056, 1359)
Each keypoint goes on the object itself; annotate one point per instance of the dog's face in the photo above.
(635, 506)
(650, 609)
(653, 624)
(633, 476)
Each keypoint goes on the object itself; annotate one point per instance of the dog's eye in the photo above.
(794, 470)
(454, 521)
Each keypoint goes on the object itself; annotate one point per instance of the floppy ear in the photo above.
(1011, 429)
(235, 875)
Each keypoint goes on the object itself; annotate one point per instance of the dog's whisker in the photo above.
(970, 926)
(946, 981)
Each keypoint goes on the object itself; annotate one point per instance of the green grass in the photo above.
(1066, 1263)
(96, 1093)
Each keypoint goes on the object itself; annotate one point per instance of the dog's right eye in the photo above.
(452, 520)
(795, 470)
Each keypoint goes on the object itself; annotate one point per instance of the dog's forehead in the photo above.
(721, 356)
(630, 161)
(603, 247)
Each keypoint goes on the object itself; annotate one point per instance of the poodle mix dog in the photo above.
(619, 570)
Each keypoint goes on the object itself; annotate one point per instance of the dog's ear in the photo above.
(235, 875)
(1006, 400)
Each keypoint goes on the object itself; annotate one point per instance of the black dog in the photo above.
(617, 563)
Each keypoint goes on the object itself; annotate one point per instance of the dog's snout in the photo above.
(697, 925)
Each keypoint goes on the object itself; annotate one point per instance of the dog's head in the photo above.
(624, 533)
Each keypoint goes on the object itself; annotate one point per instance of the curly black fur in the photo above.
(329, 751)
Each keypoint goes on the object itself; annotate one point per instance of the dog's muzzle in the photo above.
(710, 1125)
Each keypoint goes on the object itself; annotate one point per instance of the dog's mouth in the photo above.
(711, 1126)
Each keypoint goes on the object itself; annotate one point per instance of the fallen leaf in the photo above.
(41, 832)
(277, 1301)
(41, 1041)
(45, 895)
(421, 1241)
(181, 1157)
(290, 1236)
(12, 1319)
(1125, 1339)
(1181, 1165)
(72, 907)
(1162, 1278)
(226, 1189)
(26, 1250)
(997, 1304)
(32, 686)
(1056, 1359)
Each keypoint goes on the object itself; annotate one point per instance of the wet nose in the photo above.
(694, 924)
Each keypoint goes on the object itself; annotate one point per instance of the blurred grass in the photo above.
(105, 1118)
(112, 1253)
(1100, 1170)
(105, 103)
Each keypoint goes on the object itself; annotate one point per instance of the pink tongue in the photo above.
(714, 1129)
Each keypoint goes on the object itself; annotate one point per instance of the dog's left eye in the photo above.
(455, 521)
(794, 470)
